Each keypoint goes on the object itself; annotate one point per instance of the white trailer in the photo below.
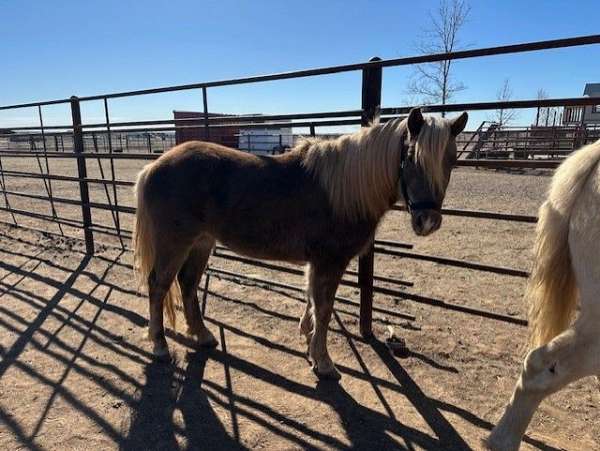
(268, 140)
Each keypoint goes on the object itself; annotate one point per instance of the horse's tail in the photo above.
(552, 291)
(144, 243)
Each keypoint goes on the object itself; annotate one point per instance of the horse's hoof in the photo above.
(203, 338)
(208, 343)
(161, 353)
(484, 443)
(332, 375)
(206, 339)
(492, 443)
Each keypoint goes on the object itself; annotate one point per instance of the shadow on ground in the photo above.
(71, 314)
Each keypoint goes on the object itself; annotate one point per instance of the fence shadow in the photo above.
(175, 405)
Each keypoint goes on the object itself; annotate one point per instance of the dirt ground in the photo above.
(76, 372)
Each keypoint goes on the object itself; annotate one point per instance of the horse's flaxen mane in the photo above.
(360, 171)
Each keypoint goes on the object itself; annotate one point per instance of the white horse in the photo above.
(566, 275)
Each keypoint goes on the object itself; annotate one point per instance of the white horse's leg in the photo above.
(570, 356)
(576, 352)
(189, 277)
(323, 283)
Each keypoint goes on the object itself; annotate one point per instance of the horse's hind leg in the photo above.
(189, 277)
(167, 262)
(572, 355)
(323, 281)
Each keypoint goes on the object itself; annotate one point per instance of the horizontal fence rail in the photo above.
(95, 148)
(300, 119)
(489, 51)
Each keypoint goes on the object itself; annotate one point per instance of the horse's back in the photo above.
(203, 170)
(194, 158)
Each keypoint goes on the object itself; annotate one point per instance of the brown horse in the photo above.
(319, 204)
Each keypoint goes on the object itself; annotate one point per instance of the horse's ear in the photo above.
(415, 122)
(459, 123)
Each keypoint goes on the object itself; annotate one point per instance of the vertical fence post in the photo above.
(82, 174)
(205, 107)
(371, 101)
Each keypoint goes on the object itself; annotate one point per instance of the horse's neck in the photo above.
(371, 169)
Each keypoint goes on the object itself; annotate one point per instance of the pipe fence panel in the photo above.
(82, 173)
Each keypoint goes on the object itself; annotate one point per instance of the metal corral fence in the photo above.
(494, 141)
(94, 150)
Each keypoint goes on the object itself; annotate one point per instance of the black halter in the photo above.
(410, 205)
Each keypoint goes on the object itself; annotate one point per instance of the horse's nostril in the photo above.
(419, 222)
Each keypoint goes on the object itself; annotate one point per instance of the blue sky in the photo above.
(55, 49)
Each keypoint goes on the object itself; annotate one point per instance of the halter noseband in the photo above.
(410, 205)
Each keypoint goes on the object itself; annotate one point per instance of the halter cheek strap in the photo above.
(410, 205)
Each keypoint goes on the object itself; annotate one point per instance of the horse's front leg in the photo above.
(306, 325)
(323, 281)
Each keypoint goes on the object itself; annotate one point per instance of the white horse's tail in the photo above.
(144, 248)
(552, 291)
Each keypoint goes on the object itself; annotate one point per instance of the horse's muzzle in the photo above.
(425, 222)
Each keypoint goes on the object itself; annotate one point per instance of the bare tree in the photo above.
(504, 116)
(543, 114)
(547, 115)
(433, 82)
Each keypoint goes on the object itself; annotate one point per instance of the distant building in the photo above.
(191, 127)
(589, 114)
(272, 138)
(269, 139)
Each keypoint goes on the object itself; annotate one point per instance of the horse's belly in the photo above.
(266, 245)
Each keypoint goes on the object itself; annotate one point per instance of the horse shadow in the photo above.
(367, 429)
(169, 387)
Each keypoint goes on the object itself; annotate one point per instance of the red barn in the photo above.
(195, 129)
